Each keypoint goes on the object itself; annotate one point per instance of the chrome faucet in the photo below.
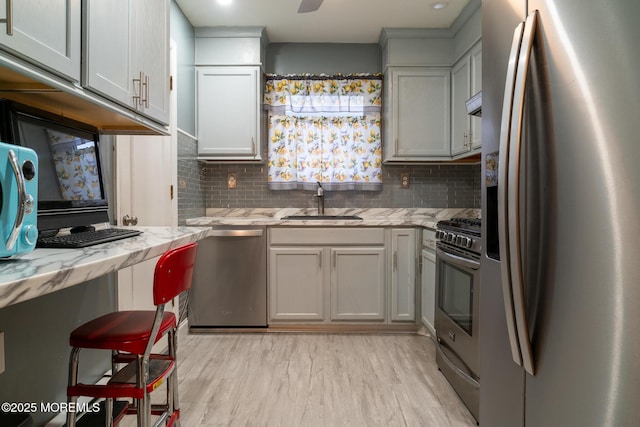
(320, 196)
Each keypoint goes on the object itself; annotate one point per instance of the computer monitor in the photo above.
(71, 190)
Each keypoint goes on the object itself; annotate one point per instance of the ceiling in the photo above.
(337, 21)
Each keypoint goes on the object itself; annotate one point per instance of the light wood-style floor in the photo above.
(276, 379)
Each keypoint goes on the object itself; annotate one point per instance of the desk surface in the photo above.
(44, 271)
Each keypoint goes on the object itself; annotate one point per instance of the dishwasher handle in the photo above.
(236, 233)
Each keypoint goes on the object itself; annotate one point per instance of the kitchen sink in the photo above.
(322, 217)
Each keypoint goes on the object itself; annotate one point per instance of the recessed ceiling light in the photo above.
(224, 2)
(440, 5)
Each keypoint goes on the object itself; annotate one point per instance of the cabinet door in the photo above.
(296, 284)
(419, 118)
(403, 275)
(357, 284)
(46, 32)
(460, 120)
(428, 290)
(152, 57)
(127, 54)
(228, 112)
(476, 86)
(108, 50)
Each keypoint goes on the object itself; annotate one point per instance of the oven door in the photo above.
(457, 294)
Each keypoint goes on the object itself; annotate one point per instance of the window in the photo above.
(324, 129)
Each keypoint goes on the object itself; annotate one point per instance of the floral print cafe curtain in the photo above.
(324, 129)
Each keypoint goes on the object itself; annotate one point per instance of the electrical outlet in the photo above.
(404, 180)
(1, 352)
(232, 180)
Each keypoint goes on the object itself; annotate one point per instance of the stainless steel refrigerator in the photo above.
(560, 297)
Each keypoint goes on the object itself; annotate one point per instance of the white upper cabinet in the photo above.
(476, 86)
(230, 120)
(466, 81)
(44, 32)
(108, 50)
(228, 113)
(152, 55)
(417, 113)
(127, 54)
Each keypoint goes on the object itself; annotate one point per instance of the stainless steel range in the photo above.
(457, 303)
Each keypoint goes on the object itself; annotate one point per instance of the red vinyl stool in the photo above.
(128, 335)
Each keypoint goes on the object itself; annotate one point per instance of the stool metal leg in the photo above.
(73, 380)
(108, 406)
(173, 378)
(144, 407)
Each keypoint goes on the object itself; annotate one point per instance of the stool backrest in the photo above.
(173, 273)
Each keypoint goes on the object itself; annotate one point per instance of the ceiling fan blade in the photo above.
(309, 6)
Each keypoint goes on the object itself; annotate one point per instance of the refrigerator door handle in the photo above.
(515, 237)
(503, 189)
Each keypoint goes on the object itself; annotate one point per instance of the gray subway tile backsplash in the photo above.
(202, 186)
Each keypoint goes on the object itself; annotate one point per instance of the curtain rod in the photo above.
(377, 76)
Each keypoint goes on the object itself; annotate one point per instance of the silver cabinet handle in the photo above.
(320, 261)
(22, 201)
(146, 91)
(335, 259)
(254, 147)
(9, 18)
(395, 260)
(236, 233)
(137, 95)
(515, 255)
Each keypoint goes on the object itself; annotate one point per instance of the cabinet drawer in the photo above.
(429, 238)
(326, 236)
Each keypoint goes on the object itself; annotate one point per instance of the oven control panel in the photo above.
(454, 239)
(460, 232)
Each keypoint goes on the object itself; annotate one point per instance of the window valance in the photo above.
(308, 95)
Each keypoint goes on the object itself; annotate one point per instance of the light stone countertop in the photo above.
(375, 217)
(44, 271)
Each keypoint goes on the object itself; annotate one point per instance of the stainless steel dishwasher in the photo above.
(229, 287)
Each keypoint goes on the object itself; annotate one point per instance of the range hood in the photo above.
(474, 105)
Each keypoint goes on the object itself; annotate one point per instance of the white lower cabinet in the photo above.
(357, 283)
(403, 275)
(428, 304)
(296, 283)
(327, 275)
(338, 275)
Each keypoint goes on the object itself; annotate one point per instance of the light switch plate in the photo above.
(1, 352)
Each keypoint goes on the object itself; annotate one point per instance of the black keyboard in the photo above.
(86, 238)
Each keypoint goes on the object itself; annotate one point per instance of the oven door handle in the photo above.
(457, 260)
